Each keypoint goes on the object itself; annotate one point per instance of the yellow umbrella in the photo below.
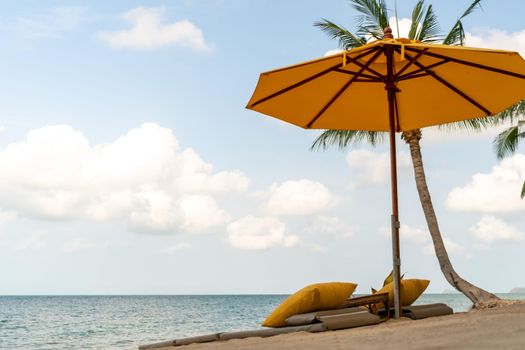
(426, 84)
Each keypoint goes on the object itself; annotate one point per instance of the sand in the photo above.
(492, 328)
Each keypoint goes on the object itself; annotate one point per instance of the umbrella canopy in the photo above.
(436, 84)
(426, 84)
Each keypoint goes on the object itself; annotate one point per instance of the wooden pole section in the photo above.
(390, 87)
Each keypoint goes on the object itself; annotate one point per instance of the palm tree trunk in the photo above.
(475, 294)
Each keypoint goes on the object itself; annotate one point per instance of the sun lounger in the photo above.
(312, 322)
(313, 317)
(264, 332)
(184, 341)
(268, 332)
(349, 320)
(417, 312)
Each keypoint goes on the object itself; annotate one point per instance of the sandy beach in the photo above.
(495, 328)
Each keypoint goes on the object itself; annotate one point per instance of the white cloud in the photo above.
(414, 234)
(409, 233)
(300, 197)
(404, 26)
(490, 229)
(192, 213)
(257, 233)
(34, 242)
(319, 248)
(495, 192)
(451, 246)
(51, 24)
(7, 216)
(201, 212)
(291, 240)
(422, 236)
(149, 32)
(143, 177)
(332, 52)
(330, 225)
(373, 168)
(76, 244)
(176, 248)
(437, 135)
(497, 39)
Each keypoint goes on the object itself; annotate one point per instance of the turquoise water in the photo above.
(124, 322)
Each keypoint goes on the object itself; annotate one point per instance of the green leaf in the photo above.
(417, 14)
(425, 25)
(511, 114)
(429, 28)
(343, 138)
(373, 18)
(397, 18)
(506, 142)
(456, 35)
(523, 191)
(345, 39)
(471, 125)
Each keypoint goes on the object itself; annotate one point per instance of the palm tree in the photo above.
(425, 28)
(506, 143)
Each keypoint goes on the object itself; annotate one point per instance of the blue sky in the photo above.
(128, 164)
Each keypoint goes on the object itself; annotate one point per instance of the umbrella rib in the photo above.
(363, 53)
(302, 82)
(413, 76)
(367, 81)
(415, 73)
(472, 64)
(398, 127)
(365, 67)
(339, 70)
(293, 86)
(452, 87)
(410, 62)
(347, 84)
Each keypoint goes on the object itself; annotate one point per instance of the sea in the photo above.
(125, 322)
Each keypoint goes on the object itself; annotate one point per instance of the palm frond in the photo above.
(397, 18)
(342, 138)
(373, 18)
(511, 114)
(429, 29)
(417, 15)
(456, 35)
(345, 39)
(425, 26)
(506, 142)
(473, 125)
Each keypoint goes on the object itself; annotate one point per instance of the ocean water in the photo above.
(124, 322)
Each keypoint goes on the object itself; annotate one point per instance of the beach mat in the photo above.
(418, 312)
(264, 332)
(326, 320)
(269, 332)
(183, 341)
(313, 317)
(349, 320)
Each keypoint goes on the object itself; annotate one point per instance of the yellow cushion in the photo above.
(411, 289)
(320, 296)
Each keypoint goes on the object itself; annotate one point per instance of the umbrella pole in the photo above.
(390, 86)
(395, 225)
